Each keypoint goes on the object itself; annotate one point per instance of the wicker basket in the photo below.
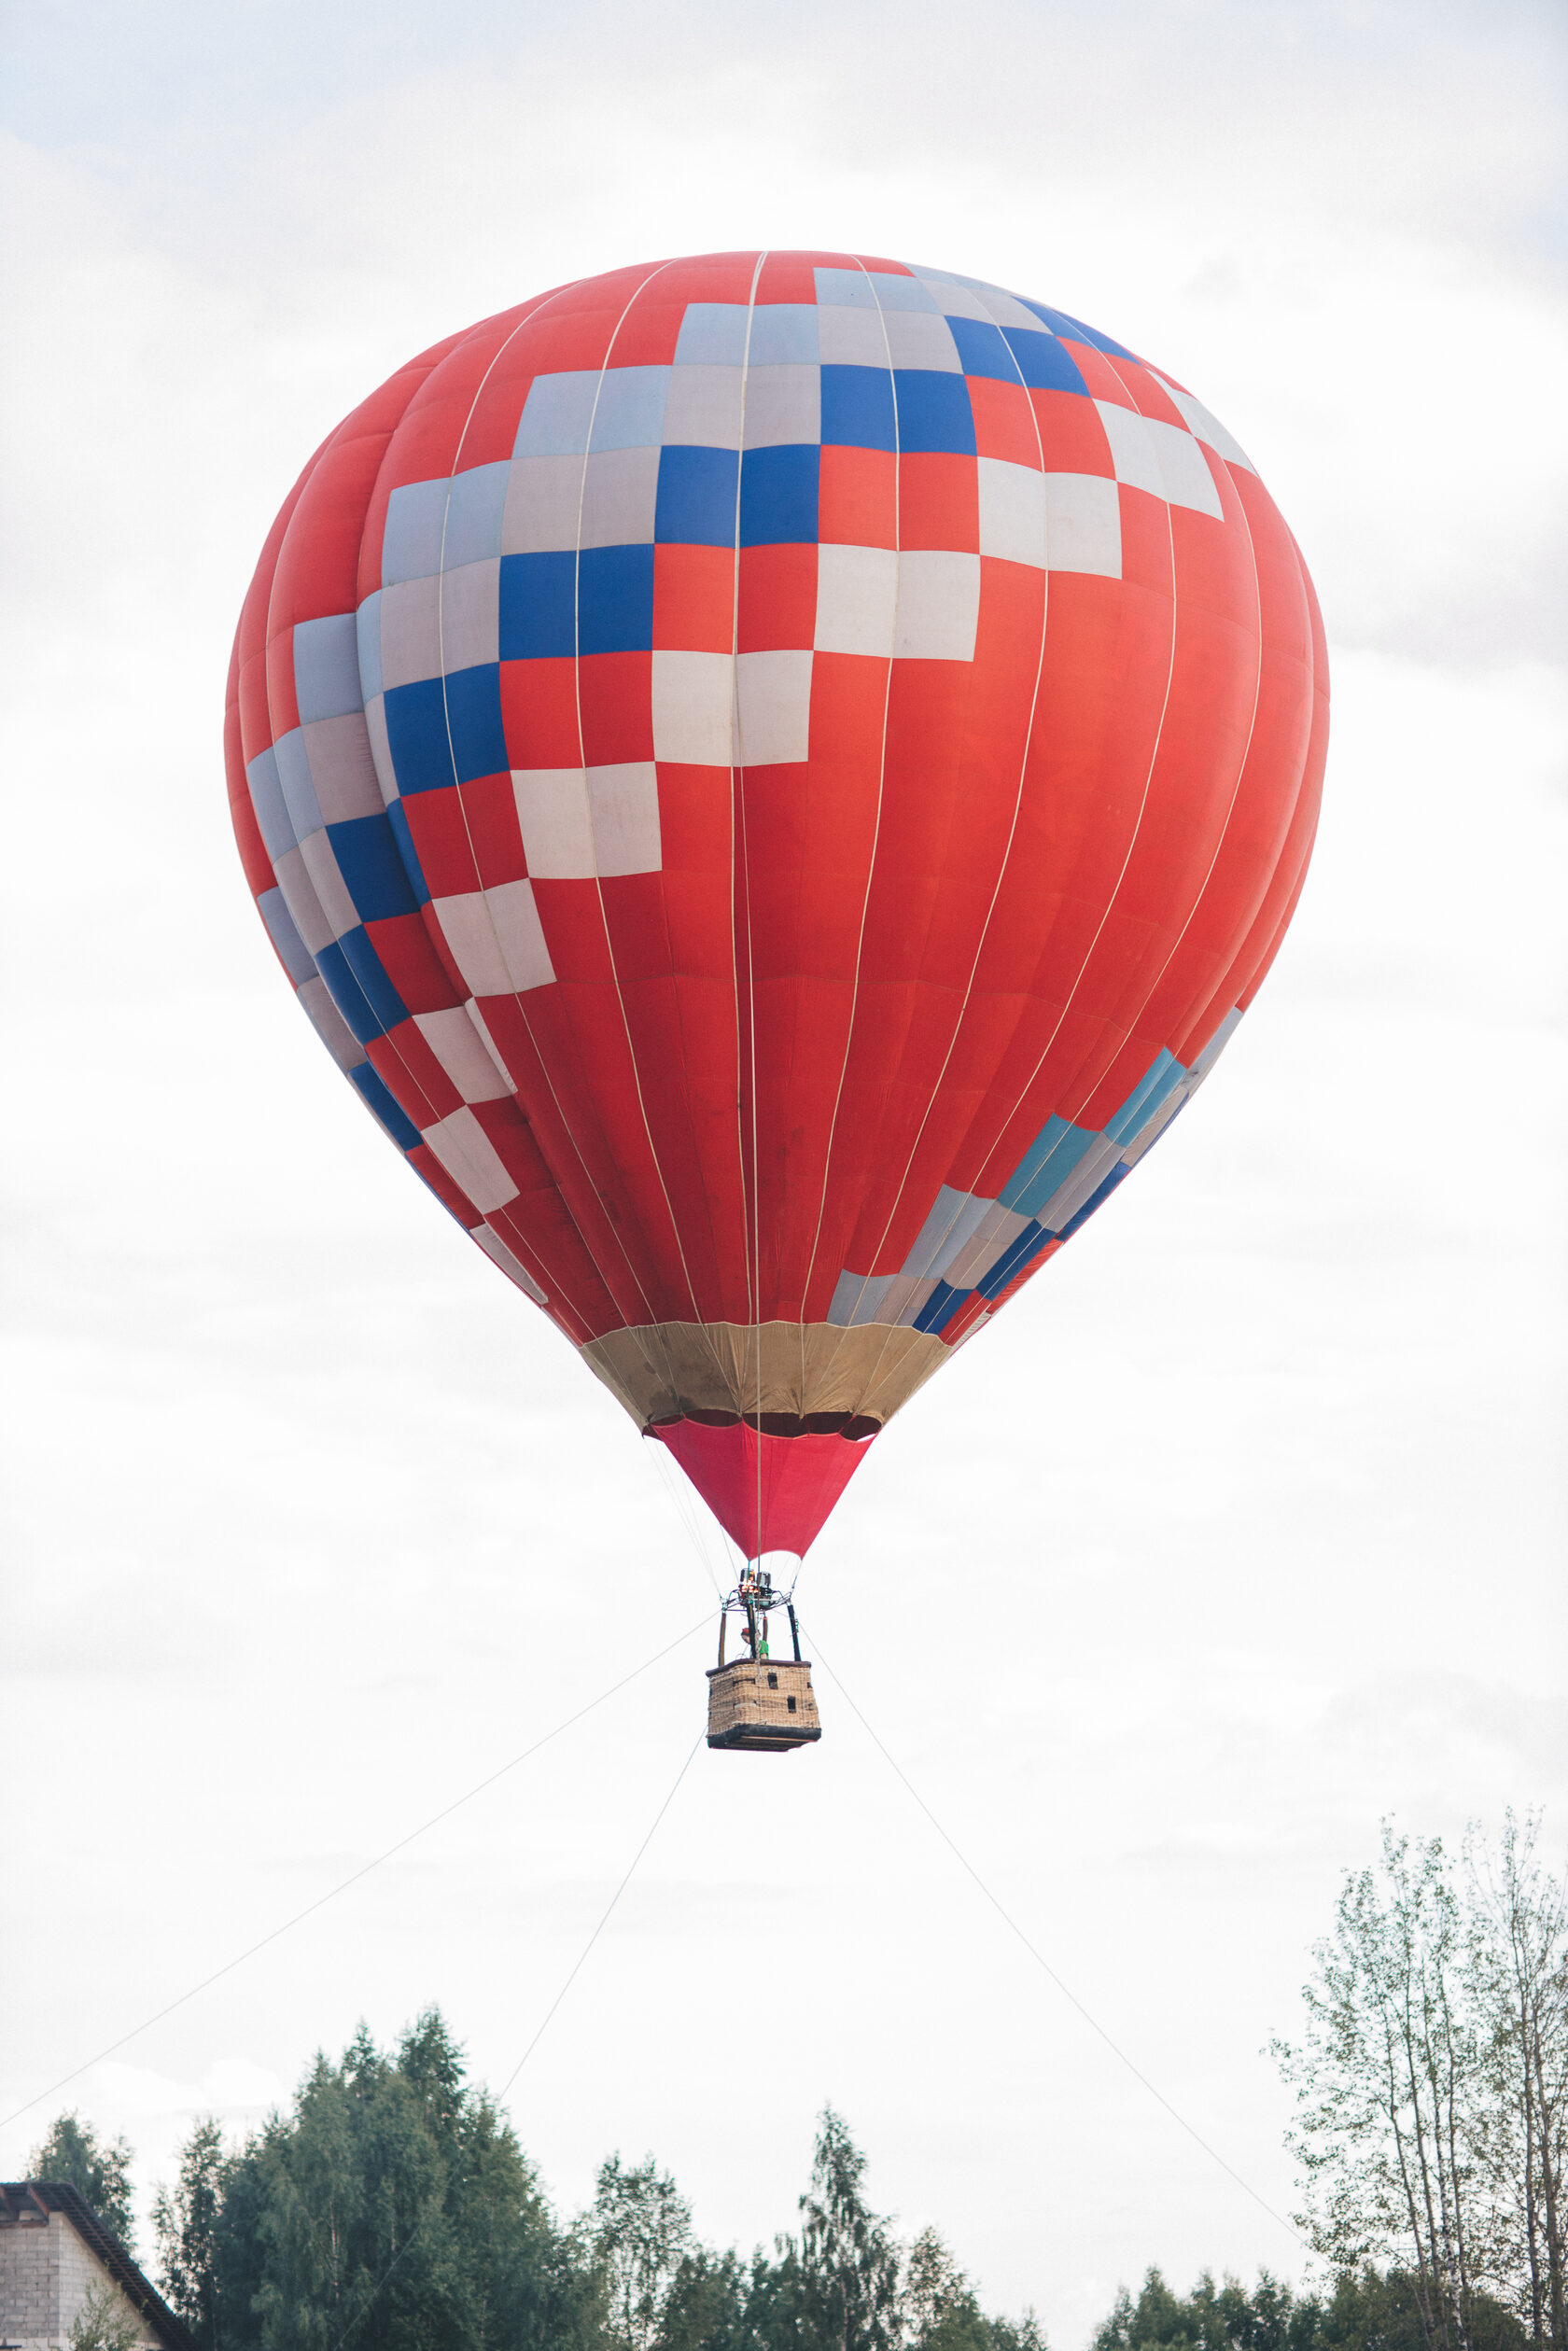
(764, 1707)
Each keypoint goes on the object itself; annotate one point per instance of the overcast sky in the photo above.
(1242, 1528)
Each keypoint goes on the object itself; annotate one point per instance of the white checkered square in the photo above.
(499, 1255)
(469, 616)
(857, 596)
(298, 895)
(853, 338)
(577, 823)
(630, 409)
(692, 699)
(1008, 311)
(332, 891)
(954, 299)
(1149, 455)
(703, 408)
(773, 694)
(543, 498)
(342, 768)
(1083, 525)
(1012, 512)
(459, 1048)
(783, 404)
(938, 605)
(553, 816)
(624, 812)
(410, 631)
(619, 491)
(495, 939)
(921, 339)
(331, 1026)
(1199, 420)
(471, 1160)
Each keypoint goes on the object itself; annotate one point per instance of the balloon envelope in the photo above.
(775, 775)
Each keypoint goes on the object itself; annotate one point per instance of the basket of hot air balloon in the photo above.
(775, 775)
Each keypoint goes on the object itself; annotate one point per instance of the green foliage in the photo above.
(1431, 2087)
(707, 2306)
(98, 2170)
(940, 2310)
(104, 2322)
(639, 2233)
(1366, 2310)
(843, 2279)
(392, 2209)
(185, 2226)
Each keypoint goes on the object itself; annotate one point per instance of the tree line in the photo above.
(392, 2209)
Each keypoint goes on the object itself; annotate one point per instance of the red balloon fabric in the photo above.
(774, 775)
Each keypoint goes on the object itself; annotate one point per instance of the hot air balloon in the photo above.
(775, 775)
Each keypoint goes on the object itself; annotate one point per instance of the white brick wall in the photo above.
(45, 2273)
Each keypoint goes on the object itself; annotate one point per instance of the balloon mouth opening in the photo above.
(770, 1490)
(857, 1427)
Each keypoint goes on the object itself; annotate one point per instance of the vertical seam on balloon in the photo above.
(556, 1289)
(876, 839)
(582, 758)
(1197, 900)
(1137, 825)
(484, 896)
(737, 772)
(1287, 910)
(1240, 773)
(530, 312)
(874, 1378)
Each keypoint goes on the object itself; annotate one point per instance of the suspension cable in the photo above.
(352, 1880)
(603, 1921)
(365, 2308)
(1044, 1966)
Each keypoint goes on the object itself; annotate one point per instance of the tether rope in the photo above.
(353, 1878)
(1044, 1966)
(368, 2305)
(603, 1921)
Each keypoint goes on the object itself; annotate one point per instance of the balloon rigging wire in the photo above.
(1044, 1966)
(687, 1518)
(572, 1974)
(605, 1916)
(344, 1884)
(739, 747)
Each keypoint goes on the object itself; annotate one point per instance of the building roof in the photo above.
(43, 2196)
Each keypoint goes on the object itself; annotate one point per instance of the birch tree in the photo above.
(1520, 1983)
(1390, 2082)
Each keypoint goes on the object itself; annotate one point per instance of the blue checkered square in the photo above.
(858, 409)
(1060, 323)
(358, 983)
(782, 332)
(397, 816)
(384, 1103)
(416, 737)
(538, 601)
(1044, 364)
(630, 411)
(473, 712)
(615, 600)
(473, 515)
(982, 349)
(696, 502)
(778, 494)
(712, 334)
(934, 411)
(372, 871)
